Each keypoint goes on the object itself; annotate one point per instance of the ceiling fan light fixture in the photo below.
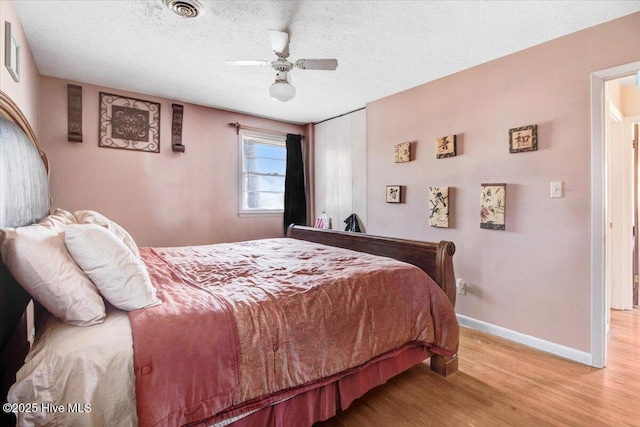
(282, 91)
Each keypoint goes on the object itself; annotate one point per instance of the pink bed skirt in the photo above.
(324, 402)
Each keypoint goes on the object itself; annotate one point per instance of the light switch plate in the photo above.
(557, 189)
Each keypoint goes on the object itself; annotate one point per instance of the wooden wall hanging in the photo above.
(74, 113)
(176, 128)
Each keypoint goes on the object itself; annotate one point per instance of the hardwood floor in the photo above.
(501, 383)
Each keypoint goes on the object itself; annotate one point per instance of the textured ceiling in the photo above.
(382, 47)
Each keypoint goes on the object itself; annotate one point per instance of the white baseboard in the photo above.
(528, 340)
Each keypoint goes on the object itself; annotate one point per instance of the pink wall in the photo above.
(25, 93)
(533, 278)
(630, 99)
(165, 199)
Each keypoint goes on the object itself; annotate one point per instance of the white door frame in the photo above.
(599, 300)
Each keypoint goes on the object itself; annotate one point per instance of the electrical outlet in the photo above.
(557, 188)
(461, 286)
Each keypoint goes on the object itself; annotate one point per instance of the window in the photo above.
(262, 172)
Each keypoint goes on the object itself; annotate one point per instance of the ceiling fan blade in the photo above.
(229, 62)
(279, 42)
(317, 64)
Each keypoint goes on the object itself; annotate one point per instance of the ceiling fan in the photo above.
(282, 90)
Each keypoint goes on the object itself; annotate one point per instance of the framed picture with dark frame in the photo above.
(129, 123)
(394, 193)
(524, 138)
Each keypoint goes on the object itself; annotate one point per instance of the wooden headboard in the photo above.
(24, 200)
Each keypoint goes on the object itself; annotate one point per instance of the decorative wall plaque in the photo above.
(394, 194)
(439, 207)
(523, 139)
(492, 206)
(446, 146)
(74, 113)
(129, 123)
(402, 152)
(176, 128)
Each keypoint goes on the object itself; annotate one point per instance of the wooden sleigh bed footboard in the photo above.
(435, 259)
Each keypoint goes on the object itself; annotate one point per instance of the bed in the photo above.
(283, 331)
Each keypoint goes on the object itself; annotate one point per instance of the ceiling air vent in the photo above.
(185, 8)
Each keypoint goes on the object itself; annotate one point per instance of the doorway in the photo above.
(600, 309)
(622, 113)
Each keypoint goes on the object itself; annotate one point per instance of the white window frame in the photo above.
(266, 138)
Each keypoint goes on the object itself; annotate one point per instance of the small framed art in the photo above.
(402, 152)
(446, 146)
(11, 52)
(492, 206)
(394, 193)
(439, 207)
(523, 139)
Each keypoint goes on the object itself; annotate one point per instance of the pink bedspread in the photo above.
(247, 324)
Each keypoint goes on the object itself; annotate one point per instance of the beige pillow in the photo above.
(37, 258)
(121, 278)
(58, 220)
(93, 217)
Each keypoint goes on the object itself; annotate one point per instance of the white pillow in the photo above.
(121, 278)
(37, 258)
(93, 217)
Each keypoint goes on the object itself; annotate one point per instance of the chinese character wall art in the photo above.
(523, 139)
(439, 207)
(492, 206)
(446, 146)
(393, 194)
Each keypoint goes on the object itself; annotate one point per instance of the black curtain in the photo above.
(295, 199)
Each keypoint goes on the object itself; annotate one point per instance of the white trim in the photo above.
(528, 340)
(599, 301)
(257, 212)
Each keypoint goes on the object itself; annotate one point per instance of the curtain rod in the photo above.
(238, 126)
